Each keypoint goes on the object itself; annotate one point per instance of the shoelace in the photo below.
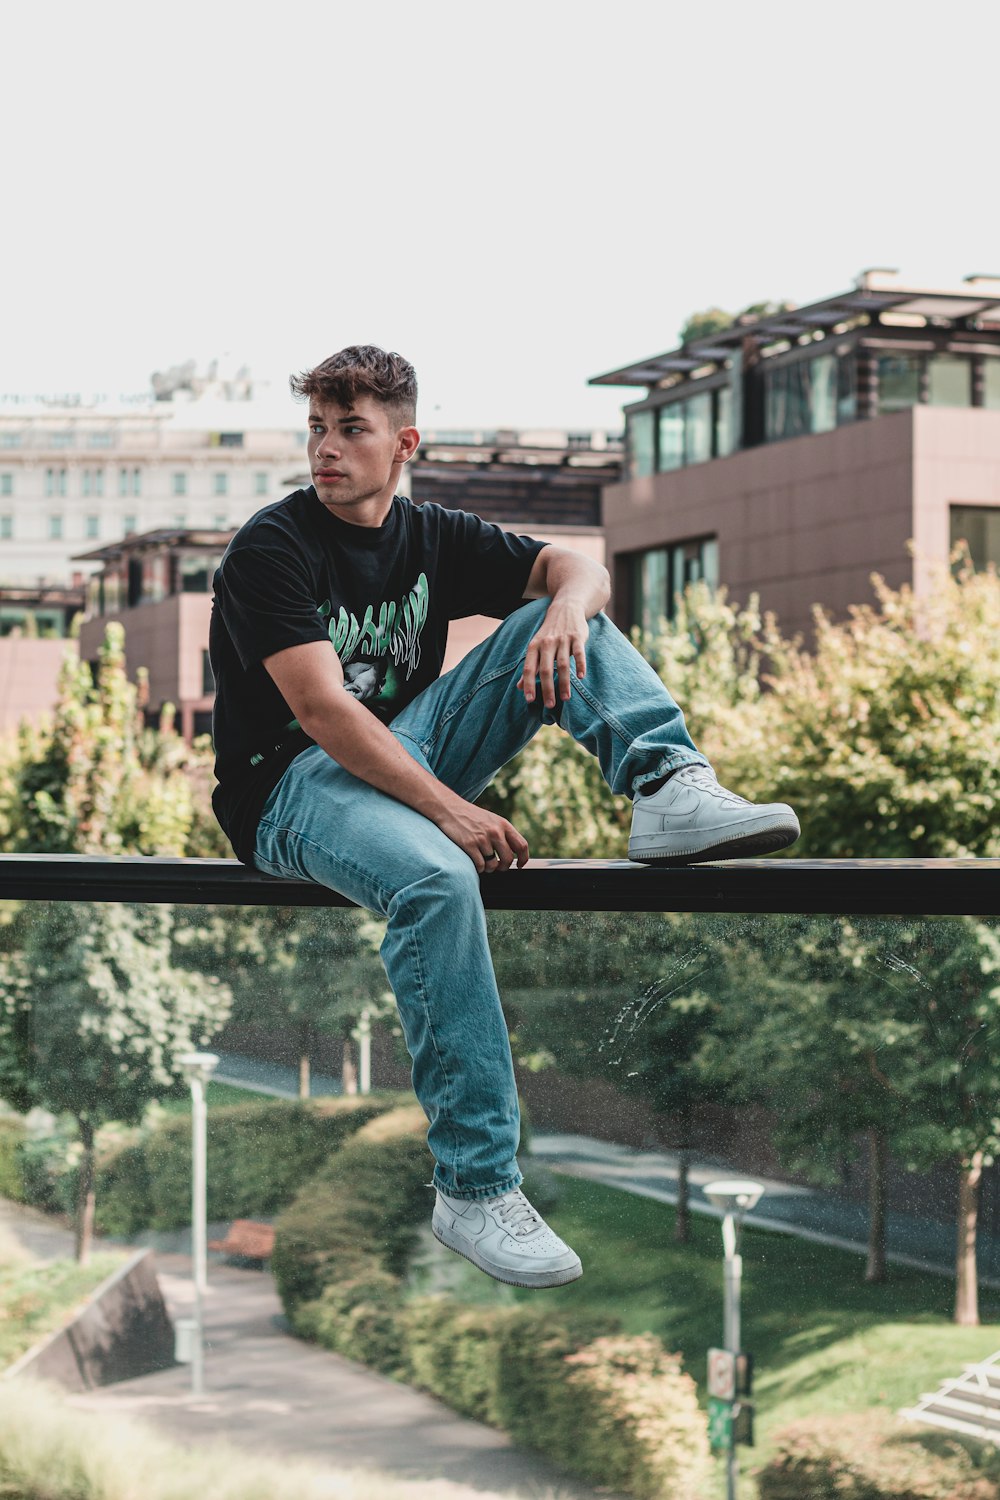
(704, 779)
(517, 1213)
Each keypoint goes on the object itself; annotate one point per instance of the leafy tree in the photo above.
(95, 1009)
(701, 325)
(887, 735)
(93, 1016)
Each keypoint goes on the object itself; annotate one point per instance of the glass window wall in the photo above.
(979, 527)
(641, 443)
(898, 381)
(698, 428)
(671, 423)
(659, 575)
(991, 383)
(949, 380)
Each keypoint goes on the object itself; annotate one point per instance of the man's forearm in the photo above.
(362, 744)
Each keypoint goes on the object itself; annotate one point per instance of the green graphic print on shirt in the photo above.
(374, 651)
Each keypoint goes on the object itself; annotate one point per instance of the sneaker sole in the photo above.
(529, 1279)
(650, 849)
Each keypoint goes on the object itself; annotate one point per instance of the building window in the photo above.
(101, 440)
(62, 439)
(800, 398)
(659, 575)
(55, 481)
(847, 389)
(724, 429)
(979, 527)
(180, 484)
(55, 528)
(698, 428)
(671, 437)
(130, 481)
(641, 443)
(260, 484)
(196, 575)
(10, 439)
(230, 440)
(98, 481)
(92, 527)
(6, 484)
(6, 528)
(129, 525)
(991, 383)
(137, 481)
(949, 380)
(898, 381)
(180, 520)
(220, 484)
(220, 521)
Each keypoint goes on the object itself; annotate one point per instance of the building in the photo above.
(77, 474)
(794, 455)
(158, 583)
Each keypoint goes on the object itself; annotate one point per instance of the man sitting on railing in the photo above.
(371, 791)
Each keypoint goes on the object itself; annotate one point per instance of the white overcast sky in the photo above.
(517, 196)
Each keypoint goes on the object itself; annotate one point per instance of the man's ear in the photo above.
(407, 443)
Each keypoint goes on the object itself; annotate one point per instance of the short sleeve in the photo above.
(490, 567)
(266, 604)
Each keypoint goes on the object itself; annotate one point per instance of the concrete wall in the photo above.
(29, 677)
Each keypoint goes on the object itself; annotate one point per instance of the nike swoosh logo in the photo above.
(473, 1221)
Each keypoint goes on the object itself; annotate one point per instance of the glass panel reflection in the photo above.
(848, 1065)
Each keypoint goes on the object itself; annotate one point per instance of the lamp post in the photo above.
(736, 1199)
(198, 1068)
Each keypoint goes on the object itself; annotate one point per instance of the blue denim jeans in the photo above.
(321, 823)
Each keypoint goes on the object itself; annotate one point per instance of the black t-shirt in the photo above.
(383, 595)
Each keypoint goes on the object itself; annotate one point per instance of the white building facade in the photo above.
(75, 475)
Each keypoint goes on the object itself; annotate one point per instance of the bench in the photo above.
(247, 1240)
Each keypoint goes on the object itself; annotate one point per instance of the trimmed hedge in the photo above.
(877, 1455)
(616, 1410)
(259, 1154)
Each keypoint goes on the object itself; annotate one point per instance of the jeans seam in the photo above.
(292, 833)
(449, 1089)
(477, 686)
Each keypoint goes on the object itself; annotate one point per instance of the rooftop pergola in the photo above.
(975, 302)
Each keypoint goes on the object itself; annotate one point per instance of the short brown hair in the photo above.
(362, 370)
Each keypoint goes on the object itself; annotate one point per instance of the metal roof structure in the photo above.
(196, 538)
(877, 292)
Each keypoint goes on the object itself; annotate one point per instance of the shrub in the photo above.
(616, 1410)
(878, 1456)
(258, 1156)
(358, 1213)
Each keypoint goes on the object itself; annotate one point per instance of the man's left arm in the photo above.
(578, 588)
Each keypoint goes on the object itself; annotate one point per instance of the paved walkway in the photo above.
(809, 1213)
(270, 1393)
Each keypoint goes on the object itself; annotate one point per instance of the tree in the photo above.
(702, 325)
(93, 1017)
(887, 735)
(94, 1007)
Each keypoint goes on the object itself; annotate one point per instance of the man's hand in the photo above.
(563, 634)
(489, 840)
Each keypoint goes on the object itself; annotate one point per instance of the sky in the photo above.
(515, 197)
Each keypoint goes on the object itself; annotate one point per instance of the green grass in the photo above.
(35, 1300)
(822, 1340)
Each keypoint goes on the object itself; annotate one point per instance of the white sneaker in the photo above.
(506, 1238)
(691, 817)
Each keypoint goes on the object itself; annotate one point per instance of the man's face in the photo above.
(352, 451)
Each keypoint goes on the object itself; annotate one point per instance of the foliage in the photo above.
(363, 1206)
(258, 1155)
(888, 734)
(88, 783)
(701, 324)
(878, 1456)
(618, 1411)
(48, 1451)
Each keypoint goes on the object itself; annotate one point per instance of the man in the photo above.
(344, 757)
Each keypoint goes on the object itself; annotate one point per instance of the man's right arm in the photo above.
(310, 678)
